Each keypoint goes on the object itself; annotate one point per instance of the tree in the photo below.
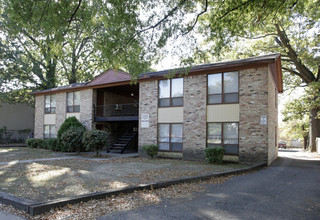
(288, 27)
(297, 119)
(50, 43)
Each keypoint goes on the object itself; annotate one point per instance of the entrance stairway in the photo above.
(124, 141)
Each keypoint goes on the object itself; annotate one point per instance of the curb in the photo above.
(34, 208)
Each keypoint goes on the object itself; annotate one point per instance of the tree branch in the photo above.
(170, 13)
(262, 36)
(235, 8)
(293, 72)
(74, 13)
(304, 72)
(197, 18)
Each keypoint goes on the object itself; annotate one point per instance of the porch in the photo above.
(116, 112)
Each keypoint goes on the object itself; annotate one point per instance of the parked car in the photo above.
(282, 144)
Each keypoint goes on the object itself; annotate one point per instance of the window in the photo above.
(223, 88)
(171, 92)
(170, 137)
(50, 104)
(50, 131)
(224, 135)
(73, 101)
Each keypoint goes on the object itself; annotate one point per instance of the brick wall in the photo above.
(253, 100)
(86, 108)
(61, 102)
(39, 117)
(272, 119)
(195, 117)
(148, 104)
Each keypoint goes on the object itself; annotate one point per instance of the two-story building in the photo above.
(229, 104)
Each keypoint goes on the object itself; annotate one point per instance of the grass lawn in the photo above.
(48, 180)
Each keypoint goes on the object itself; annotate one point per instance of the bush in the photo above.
(151, 150)
(35, 143)
(52, 144)
(214, 155)
(72, 139)
(95, 140)
(68, 123)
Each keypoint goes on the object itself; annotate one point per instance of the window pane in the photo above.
(164, 132)
(214, 133)
(214, 83)
(164, 102)
(231, 98)
(47, 101)
(231, 149)
(52, 131)
(76, 108)
(230, 82)
(177, 87)
(215, 145)
(176, 133)
(70, 98)
(163, 146)
(214, 99)
(70, 109)
(176, 146)
(230, 133)
(46, 131)
(76, 98)
(164, 88)
(177, 101)
(53, 101)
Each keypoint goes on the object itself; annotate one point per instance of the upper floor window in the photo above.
(50, 104)
(171, 92)
(50, 131)
(223, 88)
(73, 101)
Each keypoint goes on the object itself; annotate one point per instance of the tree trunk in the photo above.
(305, 142)
(314, 129)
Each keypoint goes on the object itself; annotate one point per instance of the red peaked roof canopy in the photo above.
(110, 76)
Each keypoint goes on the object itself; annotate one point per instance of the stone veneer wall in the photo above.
(61, 109)
(253, 100)
(148, 104)
(195, 117)
(86, 108)
(39, 117)
(272, 119)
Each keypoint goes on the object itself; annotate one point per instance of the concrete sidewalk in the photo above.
(5, 216)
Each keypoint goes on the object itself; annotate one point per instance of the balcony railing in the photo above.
(116, 110)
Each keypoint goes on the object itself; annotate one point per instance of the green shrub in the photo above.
(151, 150)
(35, 143)
(95, 140)
(52, 144)
(68, 123)
(72, 139)
(214, 155)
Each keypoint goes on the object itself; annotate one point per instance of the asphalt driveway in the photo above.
(288, 189)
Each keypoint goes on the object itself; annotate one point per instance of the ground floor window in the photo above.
(50, 131)
(224, 135)
(170, 137)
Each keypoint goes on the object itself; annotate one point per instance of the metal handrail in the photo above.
(113, 110)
